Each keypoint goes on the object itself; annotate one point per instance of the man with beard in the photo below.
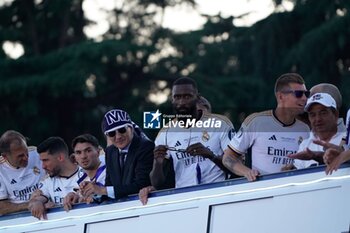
(87, 154)
(271, 135)
(203, 106)
(190, 147)
(63, 176)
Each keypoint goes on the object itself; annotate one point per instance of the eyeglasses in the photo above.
(113, 133)
(172, 148)
(175, 149)
(298, 93)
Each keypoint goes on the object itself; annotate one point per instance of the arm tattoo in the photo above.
(230, 161)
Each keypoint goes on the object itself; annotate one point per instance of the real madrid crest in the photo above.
(36, 170)
(205, 136)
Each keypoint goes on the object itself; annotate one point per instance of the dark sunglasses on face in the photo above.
(113, 133)
(298, 93)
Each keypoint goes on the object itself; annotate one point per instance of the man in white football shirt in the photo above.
(192, 153)
(203, 107)
(63, 175)
(272, 134)
(20, 172)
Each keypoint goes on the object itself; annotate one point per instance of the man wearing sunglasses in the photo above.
(128, 160)
(271, 135)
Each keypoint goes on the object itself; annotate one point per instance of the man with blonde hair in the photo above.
(272, 135)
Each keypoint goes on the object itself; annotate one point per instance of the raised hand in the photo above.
(327, 145)
(160, 152)
(302, 155)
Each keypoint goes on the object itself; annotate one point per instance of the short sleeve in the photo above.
(45, 189)
(227, 133)
(243, 139)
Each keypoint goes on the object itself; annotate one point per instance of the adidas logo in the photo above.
(177, 144)
(273, 137)
(58, 189)
(13, 181)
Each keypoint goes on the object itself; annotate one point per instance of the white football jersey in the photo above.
(308, 143)
(17, 184)
(193, 170)
(56, 188)
(270, 141)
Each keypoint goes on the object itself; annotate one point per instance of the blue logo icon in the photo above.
(151, 120)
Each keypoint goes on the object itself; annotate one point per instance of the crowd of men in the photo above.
(186, 152)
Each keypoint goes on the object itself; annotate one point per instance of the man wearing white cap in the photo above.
(333, 91)
(323, 116)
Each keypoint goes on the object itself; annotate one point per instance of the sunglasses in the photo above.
(113, 133)
(171, 148)
(298, 93)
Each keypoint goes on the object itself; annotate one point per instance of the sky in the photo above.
(184, 18)
(179, 18)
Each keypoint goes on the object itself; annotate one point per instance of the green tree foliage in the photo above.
(64, 83)
(238, 66)
(44, 26)
(66, 92)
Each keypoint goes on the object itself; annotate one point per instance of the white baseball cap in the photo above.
(321, 98)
